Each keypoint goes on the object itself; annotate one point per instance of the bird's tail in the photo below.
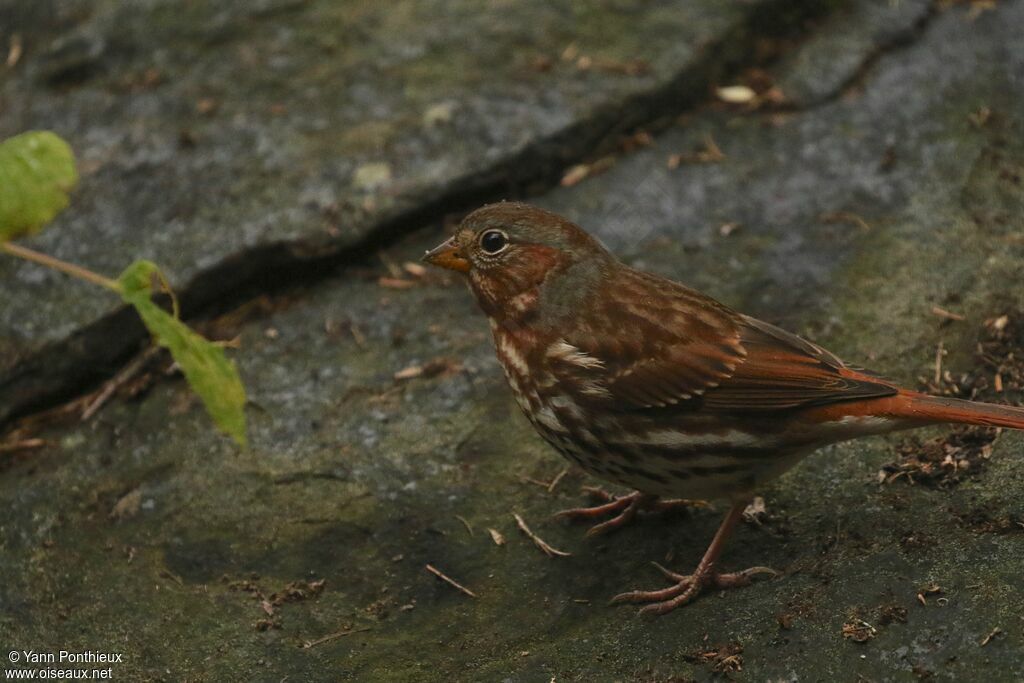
(936, 409)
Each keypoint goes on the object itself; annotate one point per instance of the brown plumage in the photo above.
(648, 383)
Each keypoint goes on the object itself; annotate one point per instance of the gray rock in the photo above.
(846, 44)
(242, 144)
(855, 218)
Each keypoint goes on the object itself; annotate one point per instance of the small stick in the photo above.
(845, 217)
(118, 381)
(537, 540)
(357, 335)
(948, 315)
(992, 634)
(333, 636)
(558, 478)
(939, 350)
(451, 582)
(465, 523)
(14, 52)
(23, 445)
(395, 283)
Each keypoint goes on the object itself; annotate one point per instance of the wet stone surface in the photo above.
(144, 531)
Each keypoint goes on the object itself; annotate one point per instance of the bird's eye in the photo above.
(493, 242)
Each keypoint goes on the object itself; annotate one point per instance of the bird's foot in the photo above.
(626, 506)
(688, 587)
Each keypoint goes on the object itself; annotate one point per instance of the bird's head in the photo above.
(522, 261)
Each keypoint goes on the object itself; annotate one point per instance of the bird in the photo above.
(644, 382)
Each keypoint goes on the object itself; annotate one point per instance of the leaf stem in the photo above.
(62, 266)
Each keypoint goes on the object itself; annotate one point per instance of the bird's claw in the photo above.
(626, 506)
(687, 588)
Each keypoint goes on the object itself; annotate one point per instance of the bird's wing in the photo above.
(782, 370)
(652, 343)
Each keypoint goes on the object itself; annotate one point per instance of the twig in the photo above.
(992, 634)
(558, 478)
(465, 523)
(845, 217)
(22, 445)
(939, 350)
(549, 486)
(167, 574)
(948, 315)
(450, 581)
(14, 51)
(118, 381)
(357, 335)
(333, 636)
(62, 266)
(537, 540)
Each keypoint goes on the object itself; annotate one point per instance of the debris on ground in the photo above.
(127, 506)
(450, 581)
(943, 461)
(709, 153)
(332, 636)
(725, 658)
(859, 631)
(756, 512)
(537, 540)
(925, 592)
(579, 172)
(432, 368)
(892, 614)
(294, 591)
(998, 374)
(991, 635)
(496, 536)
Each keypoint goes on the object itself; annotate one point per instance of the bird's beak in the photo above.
(448, 255)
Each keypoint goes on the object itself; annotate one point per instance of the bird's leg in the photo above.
(688, 587)
(626, 506)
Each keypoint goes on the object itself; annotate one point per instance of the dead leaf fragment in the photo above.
(736, 94)
(496, 536)
(372, 176)
(998, 324)
(756, 512)
(438, 114)
(128, 506)
(859, 631)
(432, 368)
(410, 372)
(21, 445)
(414, 269)
(710, 153)
(14, 51)
(395, 283)
(206, 106)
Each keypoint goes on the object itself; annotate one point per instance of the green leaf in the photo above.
(207, 369)
(37, 170)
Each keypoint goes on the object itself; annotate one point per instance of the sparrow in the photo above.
(644, 382)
